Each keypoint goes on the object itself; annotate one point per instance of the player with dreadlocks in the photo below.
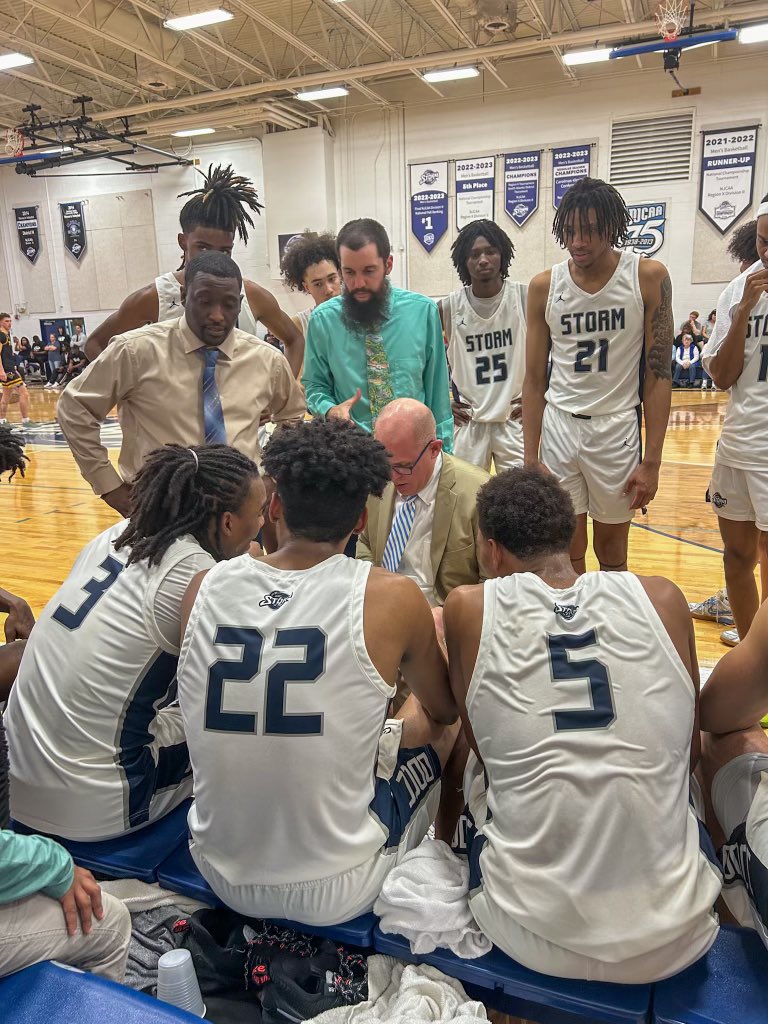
(210, 219)
(311, 265)
(97, 746)
(605, 315)
(484, 324)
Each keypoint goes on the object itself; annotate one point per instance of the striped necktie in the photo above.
(402, 525)
(213, 417)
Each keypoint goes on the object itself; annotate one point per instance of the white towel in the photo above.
(400, 994)
(425, 899)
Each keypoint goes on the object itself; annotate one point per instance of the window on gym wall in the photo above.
(651, 149)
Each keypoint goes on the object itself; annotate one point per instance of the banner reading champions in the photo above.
(73, 222)
(648, 222)
(522, 174)
(28, 231)
(475, 182)
(727, 174)
(569, 165)
(429, 202)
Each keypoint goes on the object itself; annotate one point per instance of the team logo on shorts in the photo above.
(276, 599)
(566, 610)
(718, 500)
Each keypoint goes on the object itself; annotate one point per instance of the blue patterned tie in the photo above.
(402, 525)
(213, 417)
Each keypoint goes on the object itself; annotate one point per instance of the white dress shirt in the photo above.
(416, 562)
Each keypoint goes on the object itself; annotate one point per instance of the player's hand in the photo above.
(516, 410)
(119, 499)
(461, 412)
(755, 287)
(82, 901)
(20, 620)
(642, 485)
(343, 411)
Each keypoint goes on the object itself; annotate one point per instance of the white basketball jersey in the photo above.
(169, 305)
(597, 341)
(94, 674)
(487, 356)
(283, 710)
(744, 440)
(303, 318)
(583, 714)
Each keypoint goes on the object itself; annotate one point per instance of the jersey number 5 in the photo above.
(277, 722)
(483, 368)
(583, 361)
(601, 714)
(95, 589)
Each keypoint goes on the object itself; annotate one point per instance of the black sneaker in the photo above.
(302, 988)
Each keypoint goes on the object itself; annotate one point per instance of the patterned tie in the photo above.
(402, 525)
(377, 370)
(213, 417)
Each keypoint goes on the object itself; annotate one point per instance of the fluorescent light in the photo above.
(754, 33)
(449, 74)
(198, 20)
(576, 57)
(187, 133)
(14, 60)
(329, 93)
(53, 152)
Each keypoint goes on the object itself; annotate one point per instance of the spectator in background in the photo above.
(74, 367)
(38, 356)
(686, 358)
(53, 365)
(697, 328)
(79, 337)
(706, 381)
(23, 351)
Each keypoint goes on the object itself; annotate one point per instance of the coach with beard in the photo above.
(375, 342)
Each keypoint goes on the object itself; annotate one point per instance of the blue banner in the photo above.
(522, 173)
(429, 202)
(647, 225)
(569, 165)
(475, 183)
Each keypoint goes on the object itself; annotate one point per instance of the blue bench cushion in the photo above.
(136, 855)
(56, 995)
(726, 986)
(179, 873)
(508, 986)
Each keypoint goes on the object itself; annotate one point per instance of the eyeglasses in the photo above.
(408, 468)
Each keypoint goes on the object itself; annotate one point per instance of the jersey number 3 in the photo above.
(601, 714)
(95, 589)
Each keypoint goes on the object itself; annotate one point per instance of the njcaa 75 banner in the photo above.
(569, 165)
(475, 182)
(73, 223)
(429, 202)
(646, 229)
(28, 231)
(727, 174)
(522, 173)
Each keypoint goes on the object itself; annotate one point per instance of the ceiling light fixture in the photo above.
(189, 21)
(328, 93)
(449, 74)
(186, 133)
(577, 57)
(754, 33)
(14, 60)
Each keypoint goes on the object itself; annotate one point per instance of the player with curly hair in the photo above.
(301, 650)
(311, 265)
(212, 217)
(578, 696)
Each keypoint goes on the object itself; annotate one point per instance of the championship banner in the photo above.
(727, 174)
(429, 202)
(28, 231)
(522, 173)
(73, 222)
(475, 180)
(646, 228)
(569, 165)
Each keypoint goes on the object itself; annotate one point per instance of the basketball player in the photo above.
(19, 618)
(484, 323)
(311, 265)
(605, 313)
(579, 699)
(287, 667)
(736, 357)
(97, 748)
(12, 386)
(209, 221)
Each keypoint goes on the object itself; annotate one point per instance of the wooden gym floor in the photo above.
(46, 518)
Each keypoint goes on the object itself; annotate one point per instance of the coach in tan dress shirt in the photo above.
(155, 377)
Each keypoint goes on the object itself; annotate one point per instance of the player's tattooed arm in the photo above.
(662, 333)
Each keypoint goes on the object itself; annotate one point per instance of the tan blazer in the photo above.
(454, 529)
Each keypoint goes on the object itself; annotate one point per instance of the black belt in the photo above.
(580, 416)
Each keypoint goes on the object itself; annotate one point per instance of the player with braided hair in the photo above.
(210, 219)
(97, 747)
(295, 751)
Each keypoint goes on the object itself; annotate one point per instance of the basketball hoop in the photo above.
(14, 142)
(670, 17)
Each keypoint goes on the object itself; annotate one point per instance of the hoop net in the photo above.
(14, 142)
(670, 17)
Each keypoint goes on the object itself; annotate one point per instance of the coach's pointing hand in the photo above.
(342, 411)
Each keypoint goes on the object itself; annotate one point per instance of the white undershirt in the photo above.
(416, 562)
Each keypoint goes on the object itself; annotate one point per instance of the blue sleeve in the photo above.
(436, 384)
(31, 864)
(316, 376)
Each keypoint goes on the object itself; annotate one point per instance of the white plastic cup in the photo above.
(177, 982)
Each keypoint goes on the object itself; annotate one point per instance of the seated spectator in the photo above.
(697, 328)
(579, 698)
(74, 366)
(687, 356)
(97, 749)
(38, 355)
(295, 760)
(23, 350)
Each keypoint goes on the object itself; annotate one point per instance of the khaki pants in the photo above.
(33, 929)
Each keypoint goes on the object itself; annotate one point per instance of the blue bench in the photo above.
(136, 855)
(727, 986)
(59, 995)
(508, 986)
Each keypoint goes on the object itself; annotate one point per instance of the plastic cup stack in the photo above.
(177, 982)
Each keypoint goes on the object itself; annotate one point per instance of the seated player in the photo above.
(97, 747)
(579, 697)
(311, 265)
(305, 793)
(735, 769)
